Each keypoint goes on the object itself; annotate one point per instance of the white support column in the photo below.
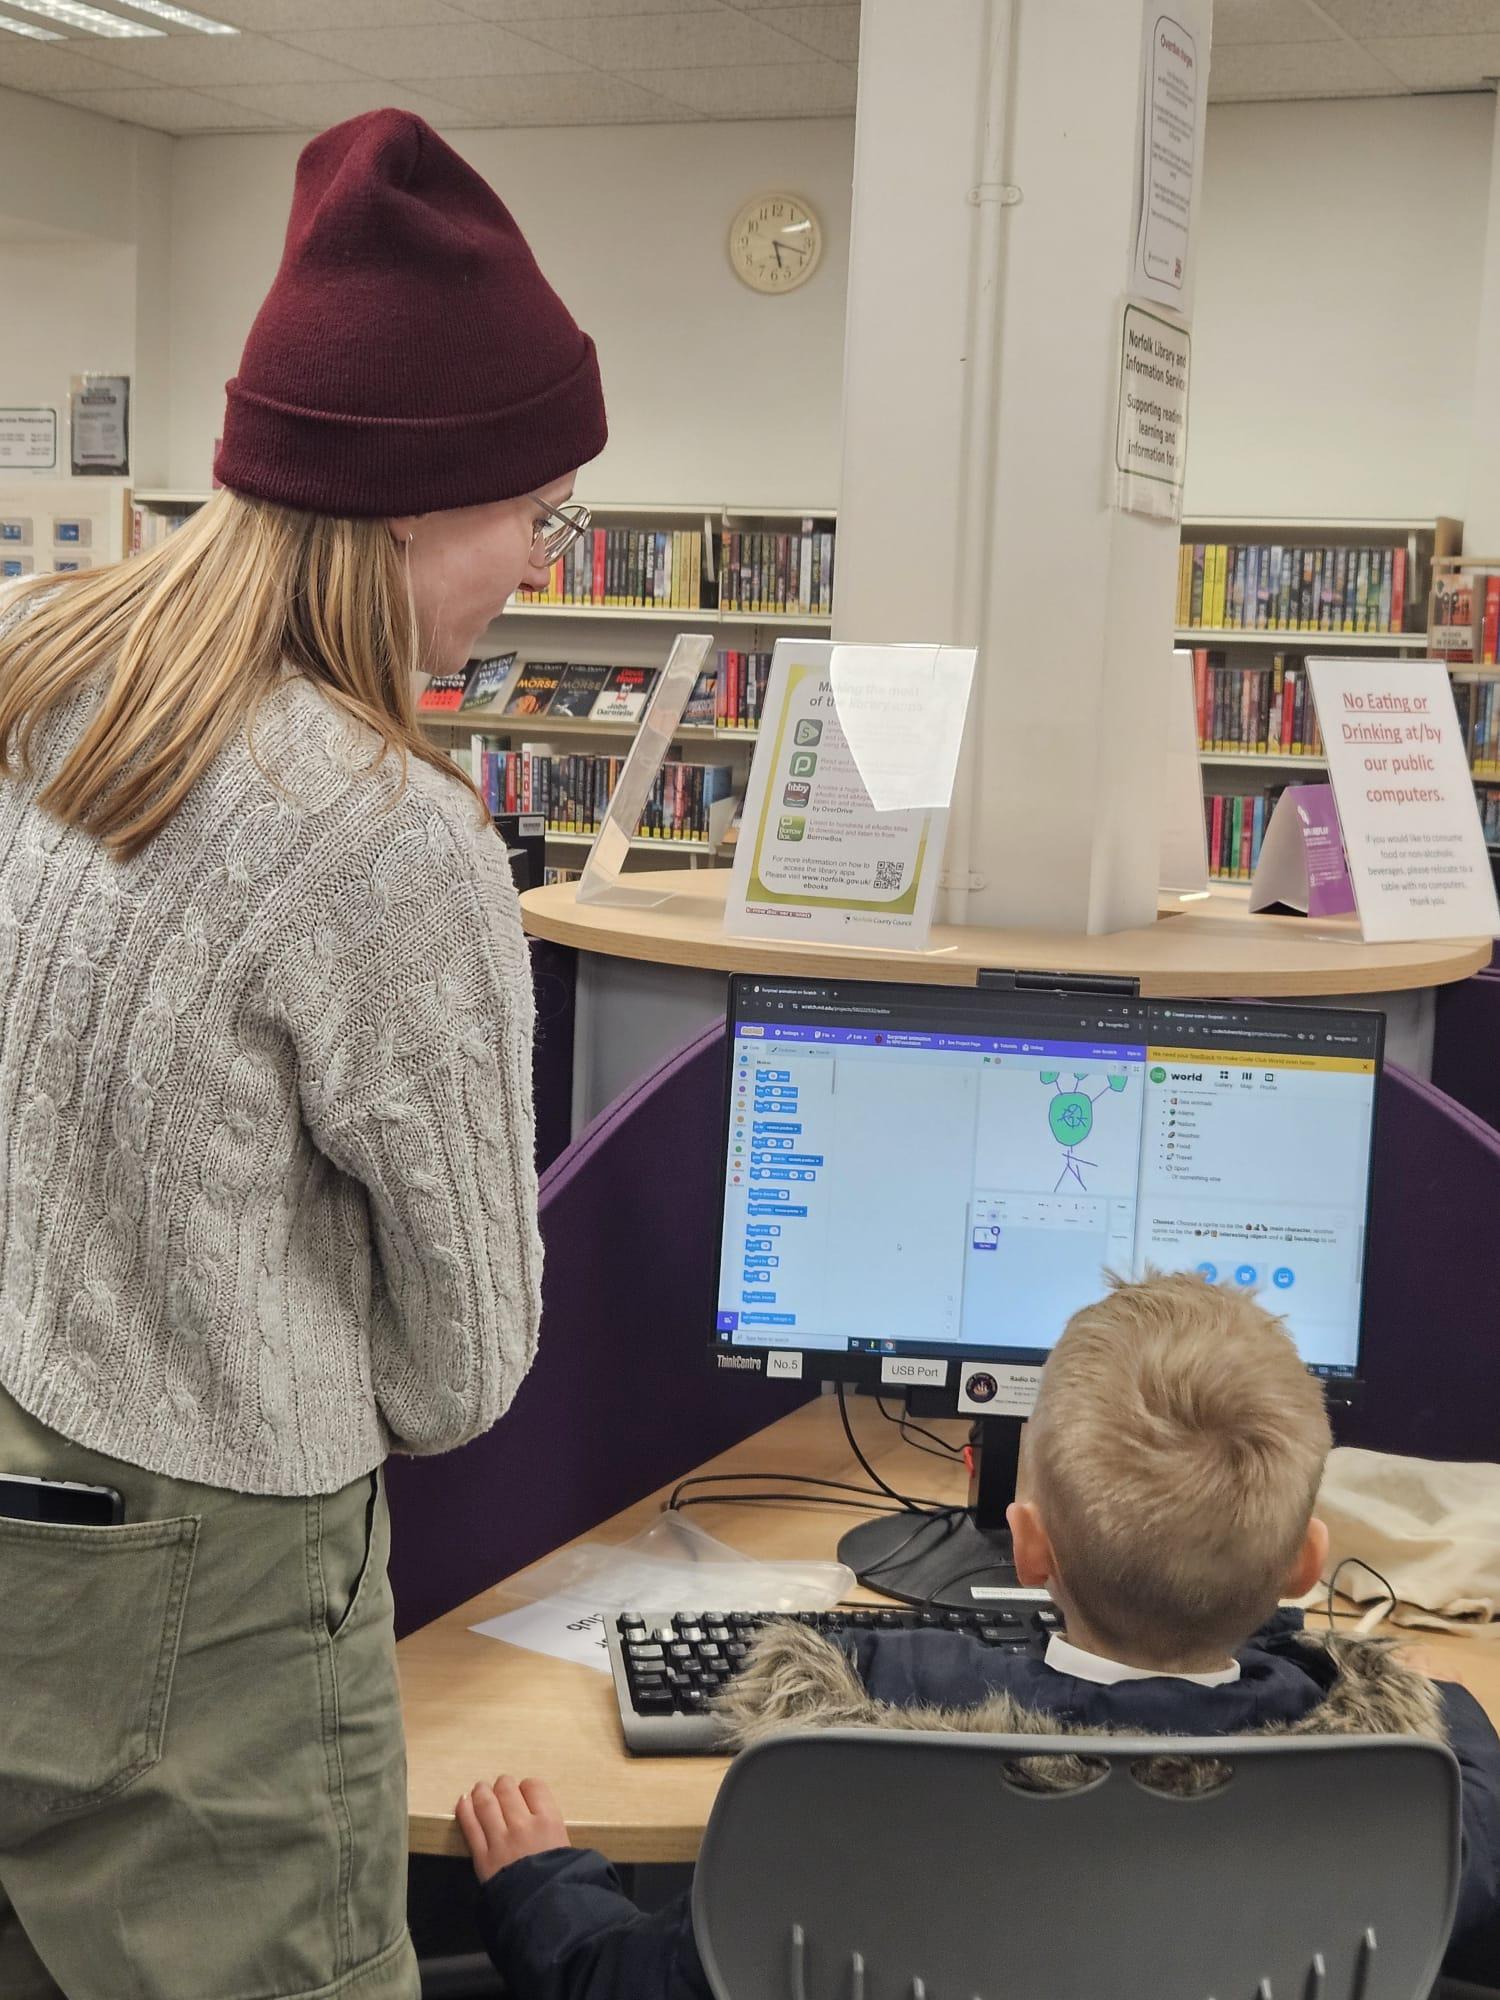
(996, 155)
(1482, 505)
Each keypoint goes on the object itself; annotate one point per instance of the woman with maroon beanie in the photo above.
(267, 1197)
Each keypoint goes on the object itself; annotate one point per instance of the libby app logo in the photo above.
(796, 794)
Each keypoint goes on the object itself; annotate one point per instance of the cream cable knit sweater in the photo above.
(267, 1193)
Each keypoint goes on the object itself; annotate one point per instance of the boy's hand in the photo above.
(506, 1821)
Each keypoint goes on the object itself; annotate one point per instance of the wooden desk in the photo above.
(475, 1706)
(1210, 949)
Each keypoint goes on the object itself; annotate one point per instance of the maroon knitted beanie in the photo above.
(409, 356)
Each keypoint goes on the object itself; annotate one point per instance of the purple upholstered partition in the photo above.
(1432, 1331)
(622, 1396)
(1466, 1044)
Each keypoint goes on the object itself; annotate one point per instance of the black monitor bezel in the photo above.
(867, 1370)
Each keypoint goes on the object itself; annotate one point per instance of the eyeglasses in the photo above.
(558, 529)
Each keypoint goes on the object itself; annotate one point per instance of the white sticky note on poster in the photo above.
(902, 712)
(1400, 774)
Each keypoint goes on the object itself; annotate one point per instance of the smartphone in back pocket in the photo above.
(59, 1502)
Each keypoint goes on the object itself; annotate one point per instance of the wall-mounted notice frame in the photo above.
(28, 440)
(99, 415)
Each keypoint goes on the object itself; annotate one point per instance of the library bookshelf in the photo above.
(1258, 596)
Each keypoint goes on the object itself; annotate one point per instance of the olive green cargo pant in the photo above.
(202, 1773)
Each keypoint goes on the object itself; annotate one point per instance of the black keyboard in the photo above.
(669, 1666)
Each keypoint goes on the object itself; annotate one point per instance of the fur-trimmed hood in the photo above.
(796, 1679)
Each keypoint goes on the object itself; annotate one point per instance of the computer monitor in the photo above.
(922, 1183)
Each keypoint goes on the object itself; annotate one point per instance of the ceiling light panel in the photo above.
(29, 29)
(92, 20)
(179, 17)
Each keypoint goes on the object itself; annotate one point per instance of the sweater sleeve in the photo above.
(411, 1006)
(559, 1927)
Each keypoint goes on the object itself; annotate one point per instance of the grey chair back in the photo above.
(905, 1865)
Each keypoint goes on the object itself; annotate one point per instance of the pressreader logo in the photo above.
(750, 1361)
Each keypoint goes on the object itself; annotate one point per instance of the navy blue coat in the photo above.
(559, 1927)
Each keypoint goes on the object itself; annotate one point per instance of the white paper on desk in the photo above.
(561, 1627)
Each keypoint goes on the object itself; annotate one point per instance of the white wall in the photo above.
(84, 242)
(1340, 250)
(715, 393)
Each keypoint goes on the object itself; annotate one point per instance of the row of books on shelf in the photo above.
(1465, 624)
(571, 791)
(728, 695)
(1236, 824)
(1487, 798)
(1265, 710)
(788, 572)
(150, 525)
(631, 568)
(1478, 706)
(1265, 587)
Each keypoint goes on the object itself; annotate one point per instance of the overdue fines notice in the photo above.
(1400, 774)
(1151, 427)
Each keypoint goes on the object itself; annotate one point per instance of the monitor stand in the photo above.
(947, 1561)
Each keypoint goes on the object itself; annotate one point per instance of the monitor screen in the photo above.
(949, 1172)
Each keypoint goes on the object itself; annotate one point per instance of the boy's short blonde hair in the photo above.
(1175, 1455)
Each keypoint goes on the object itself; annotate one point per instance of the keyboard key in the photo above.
(640, 1652)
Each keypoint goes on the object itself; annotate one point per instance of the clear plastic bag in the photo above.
(674, 1566)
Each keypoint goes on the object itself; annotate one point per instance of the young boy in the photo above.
(1165, 1499)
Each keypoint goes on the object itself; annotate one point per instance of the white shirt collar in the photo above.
(1065, 1658)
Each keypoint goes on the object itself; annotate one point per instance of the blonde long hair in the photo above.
(189, 638)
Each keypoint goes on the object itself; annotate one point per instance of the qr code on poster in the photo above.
(888, 874)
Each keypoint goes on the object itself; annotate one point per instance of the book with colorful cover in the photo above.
(535, 686)
(442, 693)
(488, 681)
(580, 687)
(700, 710)
(624, 695)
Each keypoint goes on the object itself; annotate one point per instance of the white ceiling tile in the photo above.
(276, 16)
(208, 62)
(832, 31)
(56, 66)
(1367, 19)
(312, 106)
(785, 90)
(1269, 21)
(467, 48)
(1439, 62)
(583, 98)
(1309, 69)
(669, 41)
(163, 110)
(581, 10)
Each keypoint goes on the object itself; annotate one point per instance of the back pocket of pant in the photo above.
(88, 1644)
